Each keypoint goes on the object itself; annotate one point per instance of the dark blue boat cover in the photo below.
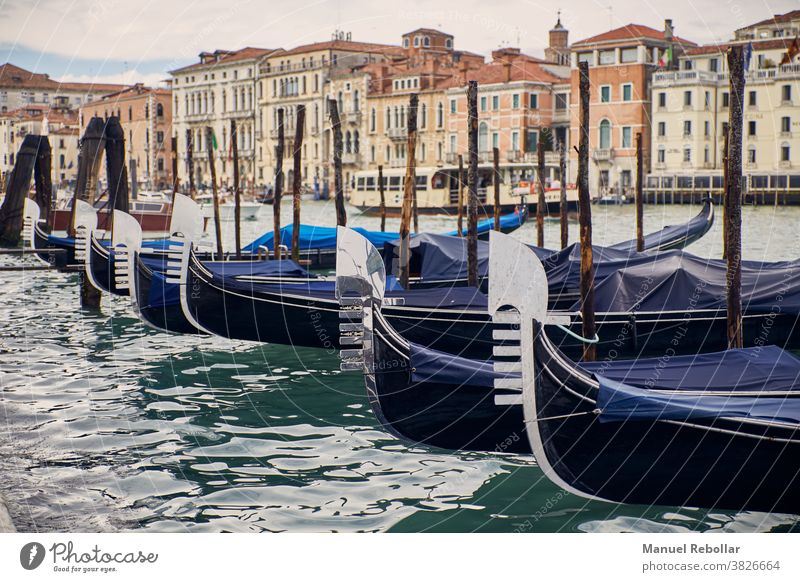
(324, 237)
(429, 365)
(621, 402)
(678, 281)
(68, 241)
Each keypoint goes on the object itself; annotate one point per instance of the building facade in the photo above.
(302, 76)
(621, 64)
(222, 86)
(146, 117)
(691, 107)
(20, 88)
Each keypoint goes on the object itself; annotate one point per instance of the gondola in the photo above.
(719, 431)
(318, 243)
(677, 236)
(52, 250)
(439, 398)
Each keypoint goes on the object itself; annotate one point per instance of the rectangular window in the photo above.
(561, 101)
(533, 101)
(662, 128)
(707, 103)
(687, 128)
(786, 93)
(786, 124)
(532, 141)
(661, 156)
(687, 154)
(483, 103)
(452, 105)
(586, 58)
(452, 144)
(751, 155)
(751, 99)
(687, 98)
(605, 94)
(751, 128)
(515, 141)
(726, 99)
(662, 100)
(706, 128)
(608, 57)
(628, 55)
(627, 92)
(785, 153)
(495, 102)
(626, 137)
(495, 140)
(713, 65)
(515, 101)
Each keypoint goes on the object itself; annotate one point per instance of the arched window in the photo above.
(356, 144)
(356, 104)
(372, 119)
(483, 137)
(605, 134)
(159, 110)
(340, 102)
(423, 116)
(130, 112)
(440, 115)
(388, 120)
(397, 117)
(348, 143)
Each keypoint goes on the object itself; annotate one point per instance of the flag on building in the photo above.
(666, 57)
(791, 52)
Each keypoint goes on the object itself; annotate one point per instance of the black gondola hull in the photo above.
(167, 316)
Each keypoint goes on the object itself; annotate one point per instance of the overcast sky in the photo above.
(123, 40)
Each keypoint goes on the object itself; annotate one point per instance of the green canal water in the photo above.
(107, 425)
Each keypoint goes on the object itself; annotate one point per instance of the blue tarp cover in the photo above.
(324, 237)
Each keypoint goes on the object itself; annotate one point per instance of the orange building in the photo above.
(621, 65)
(146, 116)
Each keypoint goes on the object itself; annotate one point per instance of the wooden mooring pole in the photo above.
(733, 200)
(408, 190)
(297, 179)
(383, 198)
(338, 150)
(237, 191)
(190, 161)
(175, 181)
(725, 140)
(19, 184)
(639, 191)
(472, 184)
(496, 186)
(562, 170)
(460, 195)
(212, 168)
(585, 218)
(541, 203)
(276, 197)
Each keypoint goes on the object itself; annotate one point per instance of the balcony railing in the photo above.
(352, 117)
(351, 158)
(603, 155)
(397, 132)
(397, 163)
(451, 158)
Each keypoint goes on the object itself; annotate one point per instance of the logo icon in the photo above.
(31, 555)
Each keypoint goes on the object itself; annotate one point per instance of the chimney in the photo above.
(668, 31)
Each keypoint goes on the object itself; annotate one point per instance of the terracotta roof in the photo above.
(519, 70)
(777, 19)
(14, 76)
(764, 45)
(630, 32)
(65, 131)
(37, 112)
(226, 57)
(427, 31)
(137, 90)
(345, 45)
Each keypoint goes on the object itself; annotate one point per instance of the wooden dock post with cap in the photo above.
(237, 191)
(190, 161)
(408, 190)
(297, 179)
(562, 169)
(496, 186)
(472, 184)
(585, 217)
(733, 199)
(215, 194)
(639, 193)
(726, 139)
(541, 203)
(175, 181)
(383, 198)
(18, 186)
(460, 195)
(338, 150)
(278, 192)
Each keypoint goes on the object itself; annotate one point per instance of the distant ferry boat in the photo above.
(437, 190)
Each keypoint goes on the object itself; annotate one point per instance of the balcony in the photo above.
(514, 155)
(785, 165)
(660, 166)
(451, 158)
(351, 158)
(603, 155)
(397, 163)
(352, 117)
(397, 133)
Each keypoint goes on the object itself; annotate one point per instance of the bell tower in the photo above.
(558, 50)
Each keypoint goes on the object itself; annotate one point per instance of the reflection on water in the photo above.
(108, 425)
